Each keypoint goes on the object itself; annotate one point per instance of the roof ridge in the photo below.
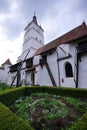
(71, 35)
(7, 62)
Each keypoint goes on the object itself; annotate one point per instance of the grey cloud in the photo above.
(57, 9)
(12, 29)
(26, 9)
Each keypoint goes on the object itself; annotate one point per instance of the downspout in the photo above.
(58, 68)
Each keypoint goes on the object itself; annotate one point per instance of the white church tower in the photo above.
(33, 39)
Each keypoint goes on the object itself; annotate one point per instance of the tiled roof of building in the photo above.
(72, 35)
(7, 62)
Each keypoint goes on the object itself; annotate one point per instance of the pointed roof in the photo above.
(8, 62)
(72, 35)
(34, 20)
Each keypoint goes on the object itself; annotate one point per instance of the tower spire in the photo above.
(35, 18)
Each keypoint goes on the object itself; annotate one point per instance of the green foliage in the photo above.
(81, 123)
(71, 92)
(20, 105)
(77, 104)
(9, 121)
(46, 95)
(50, 107)
(3, 86)
(7, 97)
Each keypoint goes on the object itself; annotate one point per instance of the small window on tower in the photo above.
(36, 38)
(68, 70)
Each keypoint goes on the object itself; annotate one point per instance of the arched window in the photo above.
(68, 70)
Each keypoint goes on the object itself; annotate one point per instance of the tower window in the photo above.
(68, 70)
(36, 38)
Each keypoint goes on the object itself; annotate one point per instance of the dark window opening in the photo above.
(68, 70)
(82, 47)
(29, 63)
(43, 60)
(15, 67)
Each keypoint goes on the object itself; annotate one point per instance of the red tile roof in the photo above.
(72, 35)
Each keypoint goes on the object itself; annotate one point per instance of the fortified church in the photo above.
(62, 62)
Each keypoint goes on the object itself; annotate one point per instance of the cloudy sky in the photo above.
(55, 16)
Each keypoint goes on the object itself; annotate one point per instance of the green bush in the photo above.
(81, 123)
(71, 92)
(9, 121)
(7, 97)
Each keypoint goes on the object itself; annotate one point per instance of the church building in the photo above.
(62, 62)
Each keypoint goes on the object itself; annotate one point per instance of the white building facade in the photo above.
(4, 69)
(62, 62)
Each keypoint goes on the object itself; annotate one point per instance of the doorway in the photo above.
(33, 78)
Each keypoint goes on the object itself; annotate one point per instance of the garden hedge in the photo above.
(9, 121)
(71, 92)
(7, 97)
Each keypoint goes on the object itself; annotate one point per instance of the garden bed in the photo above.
(49, 112)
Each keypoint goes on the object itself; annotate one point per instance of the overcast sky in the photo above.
(55, 16)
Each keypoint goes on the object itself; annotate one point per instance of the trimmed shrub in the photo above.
(81, 123)
(9, 121)
(71, 92)
(7, 97)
